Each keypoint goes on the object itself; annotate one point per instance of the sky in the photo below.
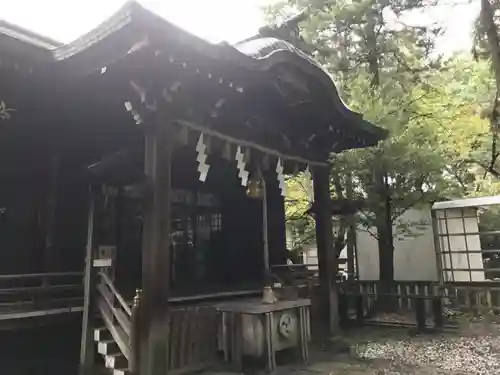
(214, 20)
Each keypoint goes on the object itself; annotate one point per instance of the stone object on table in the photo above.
(268, 296)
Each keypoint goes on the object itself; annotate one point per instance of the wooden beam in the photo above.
(326, 258)
(156, 248)
(253, 145)
(87, 342)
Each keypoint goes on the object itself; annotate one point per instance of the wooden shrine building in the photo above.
(167, 140)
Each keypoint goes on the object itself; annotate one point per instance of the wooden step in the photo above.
(107, 347)
(102, 334)
(117, 360)
(121, 371)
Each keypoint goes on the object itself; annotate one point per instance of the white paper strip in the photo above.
(281, 177)
(201, 158)
(240, 164)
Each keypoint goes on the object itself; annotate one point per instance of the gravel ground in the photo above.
(475, 350)
(479, 355)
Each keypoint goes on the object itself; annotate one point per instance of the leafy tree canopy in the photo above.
(437, 111)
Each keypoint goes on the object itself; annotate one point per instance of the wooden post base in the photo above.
(437, 312)
(420, 314)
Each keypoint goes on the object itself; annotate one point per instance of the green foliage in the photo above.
(381, 71)
(340, 32)
(437, 111)
(300, 223)
(464, 131)
(487, 47)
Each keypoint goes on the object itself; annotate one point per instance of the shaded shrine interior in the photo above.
(216, 229)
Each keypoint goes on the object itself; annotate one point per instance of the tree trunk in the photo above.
(488, 21)
(386, 268)
(382, 190)
(371, 43)
(385, 243)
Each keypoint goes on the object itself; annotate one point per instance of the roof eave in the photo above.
(150, 23)
(26, 36)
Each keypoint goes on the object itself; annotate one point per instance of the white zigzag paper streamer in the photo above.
(281, 177)
(309, 182)
(201, 158)
(240, 164)
(133, 112)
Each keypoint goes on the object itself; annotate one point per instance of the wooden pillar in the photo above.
(87, 341)
(45, 175)
(50, 255)
(120, 277)
(326, 258)
(156, 251)
(276, 220)
(351, 234)
(420, 313)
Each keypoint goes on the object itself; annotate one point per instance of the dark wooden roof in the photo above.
(282, 76)
(26, 36)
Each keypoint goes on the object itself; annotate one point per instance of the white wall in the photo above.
(414, 252)
(310, 256)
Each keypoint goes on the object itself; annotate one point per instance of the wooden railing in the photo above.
(482, 295)
(475, 297)
(405, 292)
(192, 332)
(442, 303)
(20, 293)
(120, 319)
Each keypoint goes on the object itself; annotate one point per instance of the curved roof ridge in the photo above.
(28, 36)
(119, 19)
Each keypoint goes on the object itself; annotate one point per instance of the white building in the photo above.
(459, 239)
(414, 251)
(415, 257)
